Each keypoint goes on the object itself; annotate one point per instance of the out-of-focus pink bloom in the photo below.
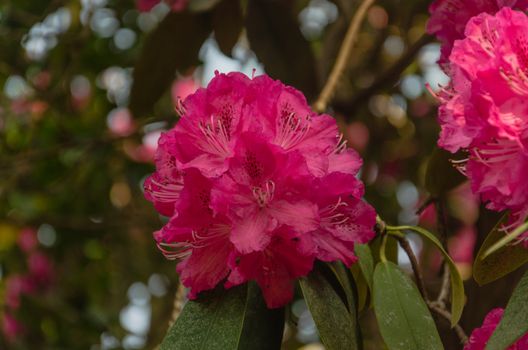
(40, 269)
(449, 18)
(181, 88)
(480, 336)
(464, 204)
(257, 187)
(120, 122)
(175, 5)
(11, 328)
(15, 287)
(357, 135)
(462, 245)
(27, 240)
(485, 109)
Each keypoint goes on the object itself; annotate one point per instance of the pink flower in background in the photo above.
(27, 240)
(485, 109)
(183, 87)
(15, 287)
(175, 5)
(257, 186)
(462, 245)
(120, 122)
(449, 18)
(11, 327)
(480, 336)
(40, 269)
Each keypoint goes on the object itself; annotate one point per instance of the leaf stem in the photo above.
(343, 57)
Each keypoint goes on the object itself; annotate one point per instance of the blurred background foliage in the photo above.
(88, 85)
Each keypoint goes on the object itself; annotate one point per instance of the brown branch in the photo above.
(343, 57)
(406, 246)
(425, 205)
(179, 300)
(441, 311)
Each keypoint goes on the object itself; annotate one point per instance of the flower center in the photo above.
(264, 194)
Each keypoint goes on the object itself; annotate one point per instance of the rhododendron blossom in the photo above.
(257, 186)
(485, 110)
(449, 18)
(480, 336)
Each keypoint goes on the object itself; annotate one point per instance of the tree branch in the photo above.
(343, 57)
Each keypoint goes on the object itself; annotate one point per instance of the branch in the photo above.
(343, 57)
(179, 300)
(441, 311)
(389, 76)
(406, 246)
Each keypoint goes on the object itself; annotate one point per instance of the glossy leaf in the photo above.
(403, 317)
(227, 319)
(227, 24)
(169, 48)
(347, 284)
(500, 263)
(274, 35)
(457, 285)
(365, 262)
(514, 322)
(336, 326)
(441, 176)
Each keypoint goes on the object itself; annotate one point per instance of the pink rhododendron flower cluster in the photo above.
(257, 186)
(480, 336)
(38, 278)
(485, 109)
(449, 17)
(175, 5)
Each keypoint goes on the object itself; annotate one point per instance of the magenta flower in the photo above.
(485, 110)
(449, 18)
(257, 186)
(15, 287)
(11, 327)
(480, 336)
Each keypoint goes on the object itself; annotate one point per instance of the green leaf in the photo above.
(336, 326)
(366, 262)
(403, 318)
(227, 24)
(236, 318)
(346, 283)
(202, 5)
(274, 35)
(441, 176)
(514, 322)
(167, 49)
(506, 240)
(507, 259)
(457, 285)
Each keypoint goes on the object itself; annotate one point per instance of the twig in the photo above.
(439, 310)
(386, 78)
(425, 205)
(177, 307)
(406, 246)
(444, 290)
(442, 228)
(343, 57)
